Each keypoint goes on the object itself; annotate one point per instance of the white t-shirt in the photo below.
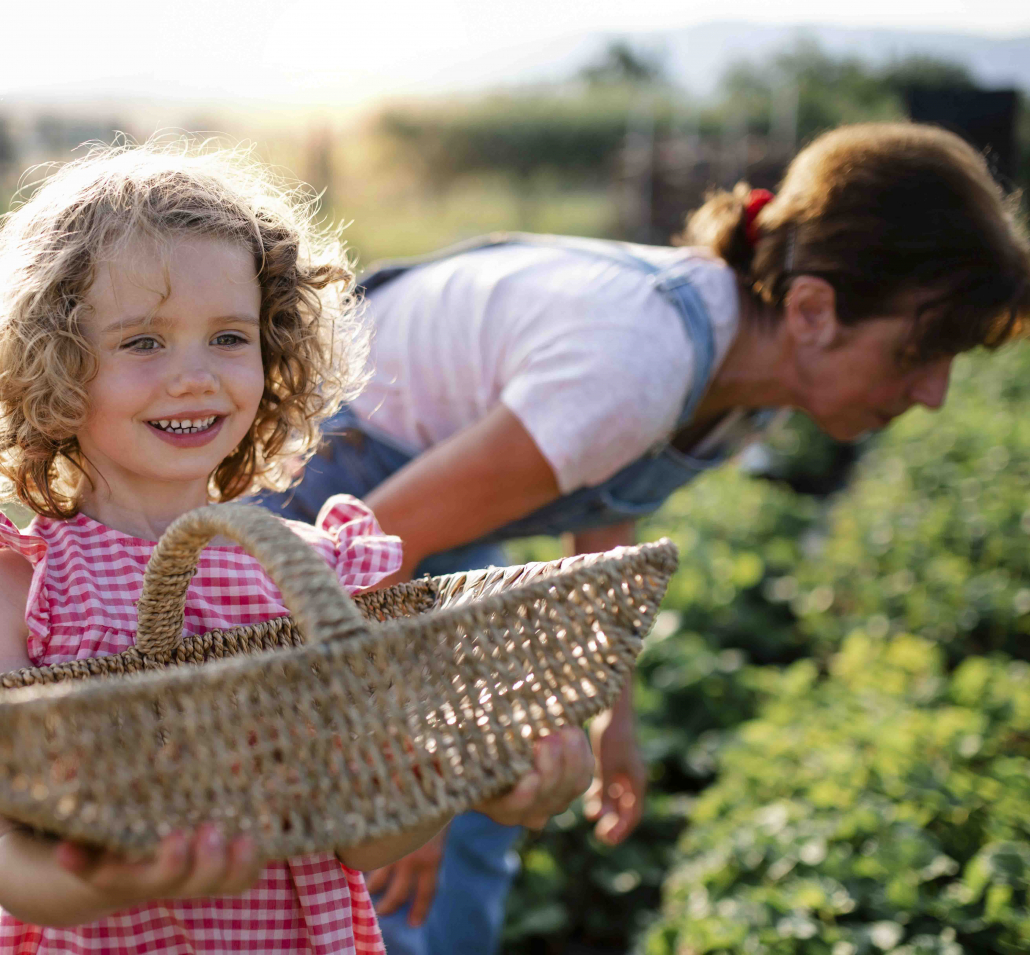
(591, 358)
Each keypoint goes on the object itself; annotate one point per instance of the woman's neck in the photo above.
(756, 370)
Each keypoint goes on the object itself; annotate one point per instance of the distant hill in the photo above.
(697, 56)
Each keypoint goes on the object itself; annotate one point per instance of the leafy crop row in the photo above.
(835, 709)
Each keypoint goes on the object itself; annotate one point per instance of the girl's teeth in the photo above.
(185, 425)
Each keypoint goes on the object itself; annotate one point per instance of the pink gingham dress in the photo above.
(86, 580)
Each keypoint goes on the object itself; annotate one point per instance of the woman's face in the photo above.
(855, 379)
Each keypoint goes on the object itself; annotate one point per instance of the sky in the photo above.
(320, 51)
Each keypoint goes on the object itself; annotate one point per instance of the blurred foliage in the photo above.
(577, 132)
(882, 809)
(830, 90)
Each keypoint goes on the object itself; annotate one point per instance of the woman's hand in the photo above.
(562, 769)
(414, 877)
(615, 799)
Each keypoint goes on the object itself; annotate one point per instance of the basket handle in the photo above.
(319, 605)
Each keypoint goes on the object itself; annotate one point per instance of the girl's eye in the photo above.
(144, 343)
(229, 339)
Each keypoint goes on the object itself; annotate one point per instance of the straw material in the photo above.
(351, 721)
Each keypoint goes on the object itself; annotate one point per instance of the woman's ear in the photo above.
(810, 312)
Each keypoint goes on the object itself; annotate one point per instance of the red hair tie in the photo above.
(757, 200)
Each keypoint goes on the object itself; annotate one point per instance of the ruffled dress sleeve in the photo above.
(363, 554)
(33, 549)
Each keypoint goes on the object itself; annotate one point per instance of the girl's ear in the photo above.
(810, 312)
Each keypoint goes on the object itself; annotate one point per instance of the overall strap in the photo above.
(379, 273)
(697, 323)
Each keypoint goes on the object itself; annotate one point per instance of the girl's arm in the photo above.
(46, 882)
(474, 482)
(16, 574)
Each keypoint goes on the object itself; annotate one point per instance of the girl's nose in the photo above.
(193, 379)
(931, 386)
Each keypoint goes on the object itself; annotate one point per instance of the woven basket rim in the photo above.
(658, 556)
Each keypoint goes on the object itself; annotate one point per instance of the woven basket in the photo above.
(319, 742)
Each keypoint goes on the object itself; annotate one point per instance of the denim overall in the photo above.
(479, 863)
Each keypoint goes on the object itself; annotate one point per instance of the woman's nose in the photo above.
(931, 386)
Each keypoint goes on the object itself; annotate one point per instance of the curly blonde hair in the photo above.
(313, 343)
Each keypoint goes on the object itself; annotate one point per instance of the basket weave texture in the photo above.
(348, 721)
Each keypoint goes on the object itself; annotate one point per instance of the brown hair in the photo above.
(313, 346)
(885, 212)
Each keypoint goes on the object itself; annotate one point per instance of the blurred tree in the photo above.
(830, 91)
(926, 72)
(620, 64)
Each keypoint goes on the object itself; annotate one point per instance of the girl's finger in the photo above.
(244, 868)
(574, 762)
(210, 863)
(162, 874)
(75, 858)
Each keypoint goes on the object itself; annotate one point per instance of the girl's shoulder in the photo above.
(22, 569)
(349, 538)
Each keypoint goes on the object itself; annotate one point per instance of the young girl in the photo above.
(172, 330)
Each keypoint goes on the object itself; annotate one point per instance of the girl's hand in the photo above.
(183, 867)
(563, 768)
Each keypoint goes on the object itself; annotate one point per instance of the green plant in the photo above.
(883, 809)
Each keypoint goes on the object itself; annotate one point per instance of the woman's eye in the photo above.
(228, 339)
(909, 356)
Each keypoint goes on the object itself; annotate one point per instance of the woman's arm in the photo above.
(474, 482)
(616, 796)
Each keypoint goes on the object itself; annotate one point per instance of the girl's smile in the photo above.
(189, 430)
(176, 332)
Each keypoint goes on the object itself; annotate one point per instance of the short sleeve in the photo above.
(363, 555)
(34, 550)
(596, 399)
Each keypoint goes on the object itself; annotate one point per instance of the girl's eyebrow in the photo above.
(159, 321)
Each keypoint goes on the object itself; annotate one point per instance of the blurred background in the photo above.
(836, 700)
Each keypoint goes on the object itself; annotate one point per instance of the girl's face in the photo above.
(179, 379)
